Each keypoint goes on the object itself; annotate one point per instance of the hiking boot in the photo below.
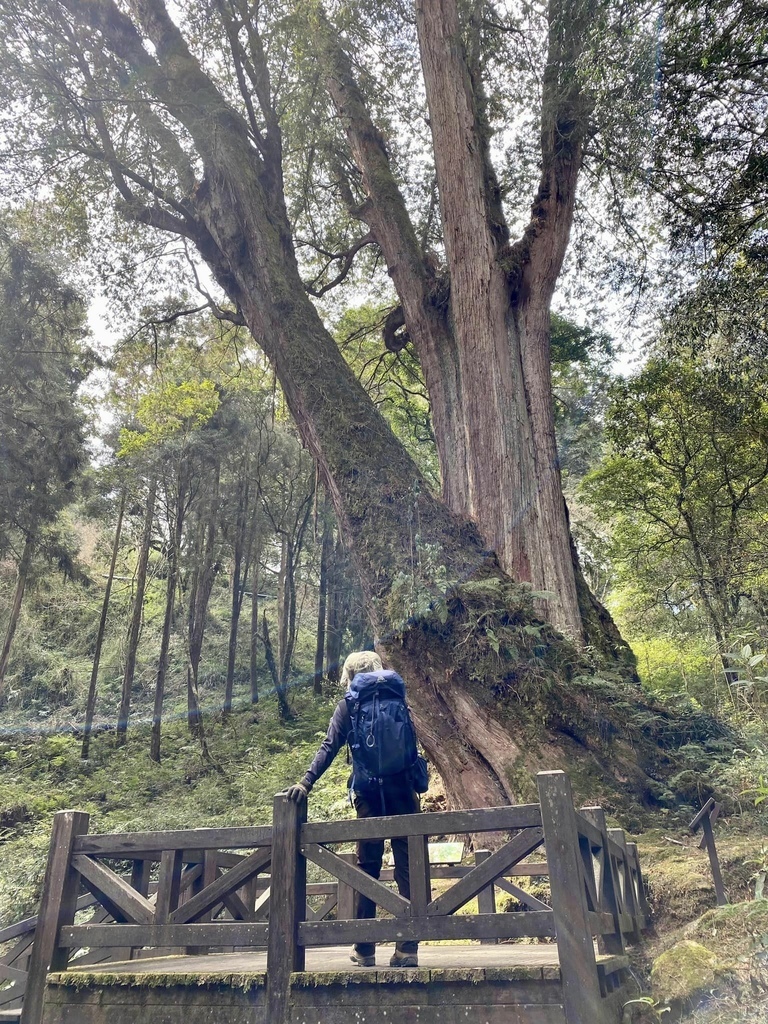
(360, 960)
(404, 959)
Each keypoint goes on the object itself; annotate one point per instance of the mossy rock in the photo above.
(684, 972)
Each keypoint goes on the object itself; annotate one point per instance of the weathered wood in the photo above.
(357, 879)
(285, 952)
(461, 926)
(705, 812)
(627, 888)
(328, 904)
(57, 909)
(608, 942)
(421, 885)
(709, 837)
(215, 933)
(215, 892)
(261, 907)
(28, 924)
(206, 874)
(486, 898)
(345, 910)
(487, 819)
(521, 895)
(524, 843)
(168, 885)
(581, 985)
(588, 829)
(642, 895)
(124, 902)
(130, 844)
(236, 907)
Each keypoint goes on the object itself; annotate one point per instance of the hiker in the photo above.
(387, 776)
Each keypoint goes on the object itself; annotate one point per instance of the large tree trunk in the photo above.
(91, 703)
(18, 597)
(137, 613)
(496, 438)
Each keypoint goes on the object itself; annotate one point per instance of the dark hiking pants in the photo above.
(370, 853)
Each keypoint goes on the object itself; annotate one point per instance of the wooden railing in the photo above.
(202, 890)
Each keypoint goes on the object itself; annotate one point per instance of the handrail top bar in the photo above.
(125, 844)
(479, 819)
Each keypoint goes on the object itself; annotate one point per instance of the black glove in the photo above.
(296, 794)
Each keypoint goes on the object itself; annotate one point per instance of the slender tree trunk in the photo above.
(325, 558)
(254, 637)
(338, 591)
(283, 604)
(91, 703)
(234, 619)
(137, 612)
(174, 542)
(18, 597)
(280, 689)
(242, 553)
(205, 574)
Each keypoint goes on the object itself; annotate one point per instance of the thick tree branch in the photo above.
(566, 109)
(385, 211)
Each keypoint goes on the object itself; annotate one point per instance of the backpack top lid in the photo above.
(385, 682)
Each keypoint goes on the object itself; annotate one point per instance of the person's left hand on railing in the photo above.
(296, 794)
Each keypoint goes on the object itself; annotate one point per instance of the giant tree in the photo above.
(183, 119)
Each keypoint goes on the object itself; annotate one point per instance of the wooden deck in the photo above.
(286, 896)
(529, 959)
(502, 984)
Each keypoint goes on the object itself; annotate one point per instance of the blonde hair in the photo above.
(359, 661)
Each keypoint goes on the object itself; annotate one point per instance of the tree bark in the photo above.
(254, 637)
(495, 430)
(203, 578)
(137, 612)
(322, 595)
(174, 547)
(18, 597)
(91, 703)
(338, 590)
(242, 550)
(280, 689)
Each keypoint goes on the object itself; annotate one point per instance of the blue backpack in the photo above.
(382, 739)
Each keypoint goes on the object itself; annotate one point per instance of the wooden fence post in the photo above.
(607, 894)
(578, 969)
(287, 905)
(486, 898)
(644, 907)
(630, 900)
(58, 904)
(345, 906)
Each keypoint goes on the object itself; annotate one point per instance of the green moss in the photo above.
(739, 929)
(684, 972)
(104, 979)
